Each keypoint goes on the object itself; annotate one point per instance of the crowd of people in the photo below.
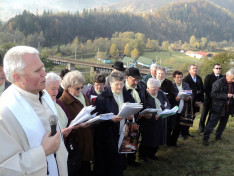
(30, 97)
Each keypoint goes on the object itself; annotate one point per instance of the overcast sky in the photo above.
(10, 8)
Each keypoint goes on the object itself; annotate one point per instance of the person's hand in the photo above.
(116, 118)
(66, 131)
(157, 117)
(83, 125)
(197, 103)
(51, 144)
(230, 95)
(139, 117)
(148, 116)
(178, 98)
(130, 117)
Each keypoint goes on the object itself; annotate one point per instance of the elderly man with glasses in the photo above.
(27, 147)
(209, 80)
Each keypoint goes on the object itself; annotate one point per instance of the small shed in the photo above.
(129, 62)
(145, 61)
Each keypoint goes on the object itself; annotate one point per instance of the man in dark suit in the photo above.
(222, 106)
(209, 80)
(195, 83)
(4, 84)
(179, 86)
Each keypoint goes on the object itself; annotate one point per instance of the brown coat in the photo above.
(83, 136)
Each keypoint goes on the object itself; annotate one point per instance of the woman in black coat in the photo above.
(153, 127)
(108, 162)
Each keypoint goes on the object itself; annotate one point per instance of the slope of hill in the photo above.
(178, 21)
(149, 5)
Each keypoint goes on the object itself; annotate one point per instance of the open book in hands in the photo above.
(100, 118)
(149, 111)
(184, 93)
(129, 109)
(83, 115)
(168, 112)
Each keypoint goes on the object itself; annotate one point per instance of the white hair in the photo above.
(162, 69)
(72, 78)
(153, 83)
(153, 66)
(230, 72)
(52, 77)
(13, 60)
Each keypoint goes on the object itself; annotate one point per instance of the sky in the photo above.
(10, 8)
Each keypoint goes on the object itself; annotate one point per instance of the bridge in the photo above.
(103, 68)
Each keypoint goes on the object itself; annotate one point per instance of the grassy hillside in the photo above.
(191, 158)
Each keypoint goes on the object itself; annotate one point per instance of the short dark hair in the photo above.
(189, 67)
(99, 78)
(177, 73)
(64, 72)
(216, 64)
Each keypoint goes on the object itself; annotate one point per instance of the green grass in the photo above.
(191, 158)
(171, 59)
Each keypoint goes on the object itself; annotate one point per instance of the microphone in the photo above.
(53, 124)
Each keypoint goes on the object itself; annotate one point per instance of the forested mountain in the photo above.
(149, 5)
(178, 21)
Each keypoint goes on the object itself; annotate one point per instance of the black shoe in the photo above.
(201, 130)
(144, 160)
(217, 137)
(153, 158)
(205, 142)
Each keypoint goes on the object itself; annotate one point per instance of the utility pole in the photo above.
(75, 52)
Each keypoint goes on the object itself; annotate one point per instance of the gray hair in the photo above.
(116, 76)
(52, 77)
(13, 60)
(162, 69)
(152, 82)
(153, 66)
(230, 72)
(72, 78)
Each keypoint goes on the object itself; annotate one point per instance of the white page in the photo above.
(129, 109)
(83, 115)
(99, 118)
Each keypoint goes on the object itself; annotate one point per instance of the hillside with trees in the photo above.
(175, 22)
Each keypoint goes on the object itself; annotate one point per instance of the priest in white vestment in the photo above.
(27, 147)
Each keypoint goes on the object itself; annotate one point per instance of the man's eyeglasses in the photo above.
(218, 68)
(78, 88)
(119, 84)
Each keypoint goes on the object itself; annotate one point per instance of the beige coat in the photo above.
(16, 157)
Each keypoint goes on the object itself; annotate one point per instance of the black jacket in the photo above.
(141, 89)
(209, 80)
(197, 89)
(60, 92)
(219, 96)
(154, 131)
(107, 132)
(167, 87)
